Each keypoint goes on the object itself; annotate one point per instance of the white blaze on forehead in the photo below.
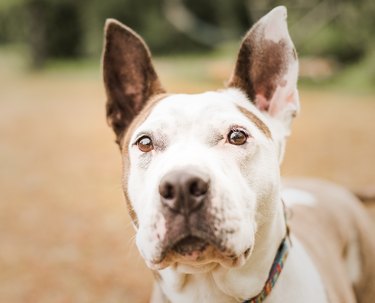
(191, 105)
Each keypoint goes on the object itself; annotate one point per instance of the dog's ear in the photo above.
(267, 67)
(129, 76)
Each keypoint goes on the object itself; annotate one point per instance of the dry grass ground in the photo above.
(65, 235)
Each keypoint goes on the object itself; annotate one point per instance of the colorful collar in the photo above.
(275, 271)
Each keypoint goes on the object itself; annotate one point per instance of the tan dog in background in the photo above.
(202, 182)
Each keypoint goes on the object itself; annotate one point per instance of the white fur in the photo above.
(299, 281)
(275, 21)
(353, 261)
(292, 196)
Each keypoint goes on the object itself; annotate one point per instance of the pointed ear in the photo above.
(129, 76)
(267, 67)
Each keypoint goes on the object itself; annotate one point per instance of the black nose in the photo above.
(184, 191)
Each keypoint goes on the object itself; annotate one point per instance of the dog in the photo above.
(202, 182)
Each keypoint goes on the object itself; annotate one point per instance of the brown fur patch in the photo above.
(259, 123)
(129, 76)
(261, 64)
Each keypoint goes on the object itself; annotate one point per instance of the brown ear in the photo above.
(129, 76)
(267, 67)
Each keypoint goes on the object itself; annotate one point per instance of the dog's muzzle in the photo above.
(185, 195)
(194, 232)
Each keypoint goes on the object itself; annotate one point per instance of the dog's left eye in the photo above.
(237, 137)
(145, 144)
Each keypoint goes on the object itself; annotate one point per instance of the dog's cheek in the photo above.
(260, 169)
(134, 190)
(136, 180)
(253, 174)
(247, 224)
(149, 238)
(233, 208)
(143, 193)
(145, 246)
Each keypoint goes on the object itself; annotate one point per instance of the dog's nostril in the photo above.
(167, 191)
(198, 188)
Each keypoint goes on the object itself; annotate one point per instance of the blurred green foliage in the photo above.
(71, 28)
(339, 29)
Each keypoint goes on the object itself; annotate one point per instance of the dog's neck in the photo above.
(220, 284)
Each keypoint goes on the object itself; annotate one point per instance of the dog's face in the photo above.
(200, 169)
(197, 166)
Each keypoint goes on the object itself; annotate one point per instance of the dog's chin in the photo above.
(195, 255)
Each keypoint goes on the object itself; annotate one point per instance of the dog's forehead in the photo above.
(206, 114)
(213, 100)
(206, 107)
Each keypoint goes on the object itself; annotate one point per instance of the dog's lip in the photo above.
(199, 260)
(193, 250)
(189, 245)
(196, 240)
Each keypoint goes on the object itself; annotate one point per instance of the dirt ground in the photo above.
(65, 235)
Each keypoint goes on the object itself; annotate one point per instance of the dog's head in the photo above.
(200, 170)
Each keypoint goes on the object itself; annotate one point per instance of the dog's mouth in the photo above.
(197, 251)
(189, 245)
(193, 242)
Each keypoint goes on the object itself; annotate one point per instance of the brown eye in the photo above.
(237, 137)
(145, 144)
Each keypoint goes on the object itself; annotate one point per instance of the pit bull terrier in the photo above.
(202, 182)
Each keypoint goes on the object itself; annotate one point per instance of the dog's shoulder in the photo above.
(330, 206)
(336, 230)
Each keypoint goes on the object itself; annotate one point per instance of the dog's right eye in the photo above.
(145, 144)
(237, 137)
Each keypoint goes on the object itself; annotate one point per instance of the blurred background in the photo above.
(65, 235)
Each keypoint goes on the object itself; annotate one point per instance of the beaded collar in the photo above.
(274, 274)
(277, 265)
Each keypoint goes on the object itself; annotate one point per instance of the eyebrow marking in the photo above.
(259, 123)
